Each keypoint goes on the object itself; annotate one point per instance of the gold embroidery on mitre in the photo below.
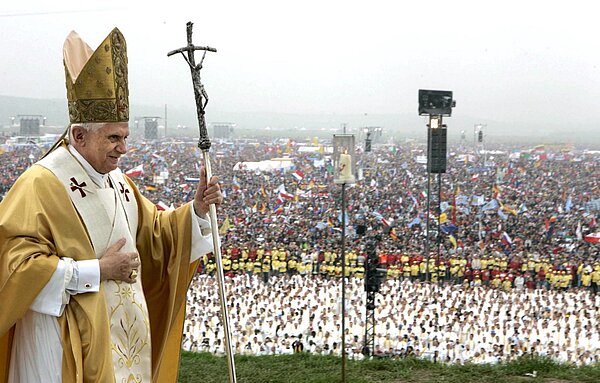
(99, 92)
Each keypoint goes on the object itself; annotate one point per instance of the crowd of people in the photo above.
(499, 261)
(446, 324)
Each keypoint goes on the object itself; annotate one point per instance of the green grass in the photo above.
(207, 368)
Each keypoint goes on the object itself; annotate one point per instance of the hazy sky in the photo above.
(510, 61)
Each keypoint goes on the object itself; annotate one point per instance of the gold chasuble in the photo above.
(125, 332)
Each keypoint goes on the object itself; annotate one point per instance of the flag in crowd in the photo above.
(135, 172)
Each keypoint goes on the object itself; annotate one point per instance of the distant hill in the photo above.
(55, 110)
(254, 124)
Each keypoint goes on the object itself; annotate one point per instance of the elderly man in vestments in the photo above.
(93, 277)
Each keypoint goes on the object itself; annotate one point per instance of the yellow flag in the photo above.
(443, 217)
(452, 241)
(225, 226)
(508, 209)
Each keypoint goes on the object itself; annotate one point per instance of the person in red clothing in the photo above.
(252, 254)
(514, 264)
(392, 258)
(235, 252)
(320, 259)
(383, 259)
(495, 272)
(485, 277)
(468, 274)
(541, 278)
(529, 283)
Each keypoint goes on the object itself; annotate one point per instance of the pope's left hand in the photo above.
(207, 194)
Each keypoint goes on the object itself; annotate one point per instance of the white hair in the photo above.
(85, 125)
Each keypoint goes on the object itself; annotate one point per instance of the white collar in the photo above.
(99, 179)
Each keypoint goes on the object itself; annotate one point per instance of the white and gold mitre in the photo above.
(97, 86)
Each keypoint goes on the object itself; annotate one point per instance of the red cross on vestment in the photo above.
(124, 191)
(78, 186)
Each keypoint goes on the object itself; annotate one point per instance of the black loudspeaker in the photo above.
(480, 136)
(435, 102)
(437, 150)
(368, 145)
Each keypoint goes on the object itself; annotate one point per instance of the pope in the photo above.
(93, 278)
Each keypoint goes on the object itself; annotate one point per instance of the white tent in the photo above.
(266, 166)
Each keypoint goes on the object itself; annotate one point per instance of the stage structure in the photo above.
(344, 165)
(222, 130)
(150, 127)
(29, 125)
(435, 104)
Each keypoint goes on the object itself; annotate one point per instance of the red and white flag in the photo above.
(135, 172)
(298, 175)
(592, 238)
(285, 195)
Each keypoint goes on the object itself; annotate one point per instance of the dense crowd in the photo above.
(511, 244)
(446, 324)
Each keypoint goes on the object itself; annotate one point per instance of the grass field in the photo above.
(207, 368)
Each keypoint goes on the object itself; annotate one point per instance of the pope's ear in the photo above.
(78, 136)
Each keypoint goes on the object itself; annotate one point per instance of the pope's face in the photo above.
(102, 147)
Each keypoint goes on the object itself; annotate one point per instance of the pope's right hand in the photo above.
(118, 265)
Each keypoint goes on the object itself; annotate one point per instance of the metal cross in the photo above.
(199, 91)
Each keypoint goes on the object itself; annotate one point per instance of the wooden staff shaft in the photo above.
(220, 276)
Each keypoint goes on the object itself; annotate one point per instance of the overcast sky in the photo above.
(510, 61)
